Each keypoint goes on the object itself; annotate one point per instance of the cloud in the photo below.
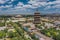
(32, 4)
(37, 3)
(40, 0)
(3, 1)
(19, 5)
(53, 5)
(7, 6)
(44, 3)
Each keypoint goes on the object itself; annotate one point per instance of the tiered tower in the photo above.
(36, 17)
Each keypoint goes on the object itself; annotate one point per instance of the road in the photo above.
(43, 36)
(38, 33)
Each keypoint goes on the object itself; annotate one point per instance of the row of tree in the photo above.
(51, 32)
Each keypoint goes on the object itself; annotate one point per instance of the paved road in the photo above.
(43, 36)
(38, 33)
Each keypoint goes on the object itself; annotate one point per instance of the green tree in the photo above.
(11, 34)
(2, 34)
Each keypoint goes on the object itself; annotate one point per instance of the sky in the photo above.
(29, 6)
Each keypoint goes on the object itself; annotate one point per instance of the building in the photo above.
(57, 23)
(18, 16)
(37, 18)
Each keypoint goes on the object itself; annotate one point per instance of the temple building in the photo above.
(36, 18)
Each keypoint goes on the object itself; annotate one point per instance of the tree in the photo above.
(5, 30)
(11, 34)
(2, 34)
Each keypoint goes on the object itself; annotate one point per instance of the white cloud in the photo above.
(48, 7)
(56, 6)
(7, 6)
(44, 3)
(40, 0)
(19, 5)
(3, 1)
(38, 3)
(12, 0)
(27, 6)
(34, 4)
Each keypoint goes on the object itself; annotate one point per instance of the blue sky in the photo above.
(29, 6)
